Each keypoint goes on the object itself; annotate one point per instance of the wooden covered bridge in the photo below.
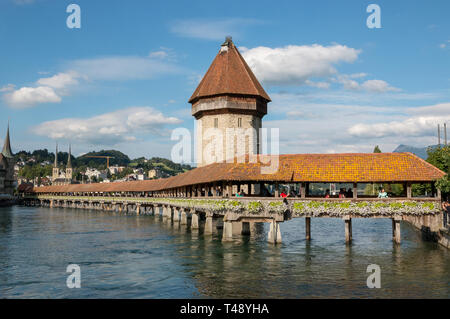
(206, 197)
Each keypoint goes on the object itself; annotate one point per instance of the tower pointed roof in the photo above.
(229, 74)
(7, 146)
(69, 161)
(56, 157)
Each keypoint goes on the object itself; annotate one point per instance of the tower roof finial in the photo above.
(228, 40)
(7, 146)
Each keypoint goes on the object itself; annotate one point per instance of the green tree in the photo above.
(440, 157)
(376, 149)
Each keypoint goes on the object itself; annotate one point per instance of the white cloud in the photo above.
(158, 54)
(309, 123)
(437, 109)
(109, 128)
(211, 29)
(123, 68)
(416, 125)
(7, 88)
(374, 86)
(47, 90)
(320, 85)
(28, 96)
(60, 80)
(379, 86)
(52, 89)
(296, 64)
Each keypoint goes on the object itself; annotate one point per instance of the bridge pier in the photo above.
(348, 229)
(396, 235)
(237, 228)
(209, 224)
(183, 217)
(194, 220)
(165, 211)
(274, 235)
(227, 231)
(176, 215)
(308, 228)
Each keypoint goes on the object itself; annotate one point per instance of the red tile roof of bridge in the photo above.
(357, 167)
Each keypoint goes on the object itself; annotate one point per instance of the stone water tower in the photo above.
(229, 100)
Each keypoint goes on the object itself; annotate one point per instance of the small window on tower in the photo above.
(239, 122)
(216, 123)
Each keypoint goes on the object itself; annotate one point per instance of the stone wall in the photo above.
(431, 227)
(223, 136)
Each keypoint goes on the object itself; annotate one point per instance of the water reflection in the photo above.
(151, 257)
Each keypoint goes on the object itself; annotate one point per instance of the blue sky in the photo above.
(123, 80)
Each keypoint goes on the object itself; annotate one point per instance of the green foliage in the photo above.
(119, 159)
(440, 157)
(376, 149)
(37, 170)
(126, 171)
(255, 207)
(444, 185)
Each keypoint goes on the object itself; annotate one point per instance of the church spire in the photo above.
(69, 161)
(55, 165)
(7, 146)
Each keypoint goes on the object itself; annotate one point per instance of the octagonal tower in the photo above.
(231, 102)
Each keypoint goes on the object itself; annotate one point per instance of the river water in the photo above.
(126, 256)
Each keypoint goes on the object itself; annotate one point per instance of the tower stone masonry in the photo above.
(228, 105)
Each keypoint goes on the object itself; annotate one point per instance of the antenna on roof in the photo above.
(439, 136)
(445, 133)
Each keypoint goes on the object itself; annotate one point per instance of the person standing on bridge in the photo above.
(382, 194)
(446, 211)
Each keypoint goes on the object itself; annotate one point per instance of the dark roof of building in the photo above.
(7, 146)
(325, 168)
(25, 187)
(229, 74)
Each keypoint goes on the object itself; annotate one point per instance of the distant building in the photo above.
(155, 173)
(136, 177)
(60, 177)
(113, 170)
(92, 173)
(7, 181)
